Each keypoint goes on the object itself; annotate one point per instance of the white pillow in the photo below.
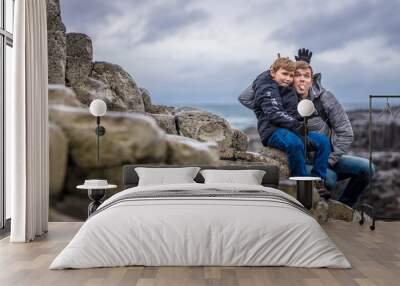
(163, 176)
(248, 177)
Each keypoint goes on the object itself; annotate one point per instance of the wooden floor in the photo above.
(375, 257)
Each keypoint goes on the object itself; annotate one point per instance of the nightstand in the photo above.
(305, 189)
(96, 192)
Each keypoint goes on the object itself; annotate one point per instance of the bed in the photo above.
(201, 224)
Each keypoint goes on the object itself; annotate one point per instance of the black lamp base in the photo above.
(100, 130)
(96, 196)
(305, 193)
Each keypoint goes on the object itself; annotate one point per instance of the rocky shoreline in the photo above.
(386, 155)
(137, 130)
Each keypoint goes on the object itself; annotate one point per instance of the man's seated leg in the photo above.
(322, 151)
(330, 180)
(357, 169)
(293, 146)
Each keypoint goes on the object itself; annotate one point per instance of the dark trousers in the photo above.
(349, 167)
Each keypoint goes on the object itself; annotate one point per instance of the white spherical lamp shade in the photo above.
(305, 108)
(98, 107)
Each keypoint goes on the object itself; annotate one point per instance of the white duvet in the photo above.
(200, 231)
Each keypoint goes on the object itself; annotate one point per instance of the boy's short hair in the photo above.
(283, 63)
(303, 66)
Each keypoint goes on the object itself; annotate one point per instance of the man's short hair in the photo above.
(283, 63)
(301, 65)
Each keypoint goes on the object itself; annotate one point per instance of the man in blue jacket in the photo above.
(332, 121)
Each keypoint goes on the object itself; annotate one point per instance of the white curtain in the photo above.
(27, 124)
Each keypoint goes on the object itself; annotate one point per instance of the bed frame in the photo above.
(270, 179)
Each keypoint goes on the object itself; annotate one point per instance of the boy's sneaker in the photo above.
(323, 192)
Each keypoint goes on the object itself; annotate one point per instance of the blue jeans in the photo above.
(293, 146)
(349, 167)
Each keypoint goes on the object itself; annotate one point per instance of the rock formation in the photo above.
(386, 155)
(79, 58)
(58, 154)
(385, 129)
(137, 130)
(130, 138)
(56, 43)
(62, 95)
(186, 151)
(205, 126)
(91, 80)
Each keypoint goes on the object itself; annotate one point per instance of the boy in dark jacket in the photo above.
(279, 124)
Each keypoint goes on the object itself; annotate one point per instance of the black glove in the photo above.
(304, 55)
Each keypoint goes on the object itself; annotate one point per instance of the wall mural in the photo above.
(139, 130)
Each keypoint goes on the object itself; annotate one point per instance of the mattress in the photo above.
(201, 225)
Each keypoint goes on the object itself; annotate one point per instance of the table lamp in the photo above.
(304, 184)
(98, 108)
(305, 108)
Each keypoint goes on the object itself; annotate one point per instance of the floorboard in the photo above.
(374, 255)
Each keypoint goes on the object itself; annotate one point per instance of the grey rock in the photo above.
(227, 154)
(240, 140)
(92, 89)
(339, 211)
(386, 182)
(58, 159)
(161, 109)
(385, 129)
(256, 157)
(320, 212)
(54, 22)
(166, 122)
(205, 126)
(315, 197)
(186, 108)
(125, 93)
(62, 95)
(146, 99)
(79, 45)
(79, 58)
(240, 163)
(275, 154)
(56, 43)
(254, 144)
(155, 108)
(129, 138)
(183, 150)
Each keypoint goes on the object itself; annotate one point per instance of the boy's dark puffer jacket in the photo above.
(275, 106)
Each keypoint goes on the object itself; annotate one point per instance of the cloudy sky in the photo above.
(205, 51)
